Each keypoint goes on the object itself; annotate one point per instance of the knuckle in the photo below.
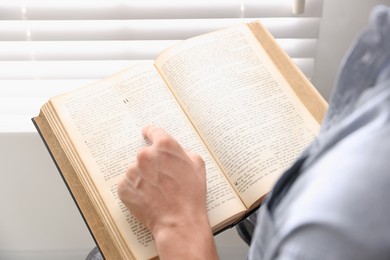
(165, 141)
(122, 190)
(144, 154)
(197, 159)
(129, 172)
(130, 176)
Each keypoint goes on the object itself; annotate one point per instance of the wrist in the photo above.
(185, 240)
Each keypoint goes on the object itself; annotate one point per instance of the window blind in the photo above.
(51, 47)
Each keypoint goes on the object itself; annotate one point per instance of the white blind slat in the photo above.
(306, 65)
(168, 29)
(82, 69)
(34, 88)
(151, 9)
(62, 69)
(82, 50)
(116, 50)
(280, 8)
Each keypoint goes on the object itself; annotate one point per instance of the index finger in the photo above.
(153, 133)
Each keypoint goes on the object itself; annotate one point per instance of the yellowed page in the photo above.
(104, 123)
(243, 108)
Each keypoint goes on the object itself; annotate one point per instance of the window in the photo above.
(50, 47)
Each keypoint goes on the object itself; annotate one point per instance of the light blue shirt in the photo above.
(334, 203)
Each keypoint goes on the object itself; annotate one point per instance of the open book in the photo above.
(233, 96)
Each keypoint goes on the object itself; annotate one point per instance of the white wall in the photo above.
(341, 21)
(38, 218)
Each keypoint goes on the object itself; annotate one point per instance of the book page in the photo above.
(243, 108)
(104, 122)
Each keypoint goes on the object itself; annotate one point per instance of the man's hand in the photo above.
(166, 190)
